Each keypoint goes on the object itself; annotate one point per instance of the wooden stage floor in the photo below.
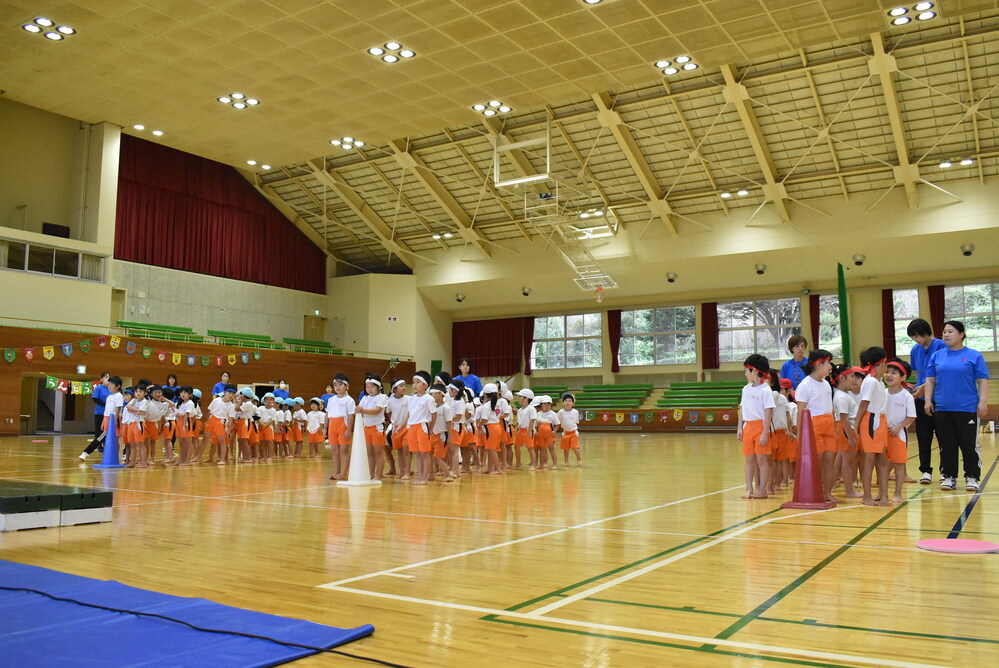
(646, 556)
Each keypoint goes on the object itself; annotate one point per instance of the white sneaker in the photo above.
(948, 483)
(971, 484)
(925, 479)
(83, 456)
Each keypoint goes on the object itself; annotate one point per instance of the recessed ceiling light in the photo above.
(251, 162)
(726, 195)
(690, 66)
(358, 143)
(945, 164)
(393, 46)
(598, 213)
(504, 109)
(66, 30)
(346, 147)
(742, 193)
(138, 126)
(265, 166)
(224, 100)
(479, 107)
(593, 2)
(348, 140)
(390, 58)
(236, 96)
(495, 103)
(900, 21)
(407, 53)
(670, 70)
(335, 142)
(54, 36)
(252, 101)
(31, 27)
(448, 235)
(347, 143)
(42, 21)
(663, 63)
(376, 51)
(489, 112)
(585, 214)
(967, 161)
(437, 236)
(923, 6)
(898, 11)
(926, 16)
(683, 59)
(158, 133)
(238, 105)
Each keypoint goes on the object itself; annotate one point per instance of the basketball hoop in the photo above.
(598, 294)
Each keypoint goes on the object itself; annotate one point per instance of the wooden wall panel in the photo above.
(307, 374)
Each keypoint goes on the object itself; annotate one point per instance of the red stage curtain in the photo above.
(888, 322)
(614, 331)
(709, 335)
(813, 313)
(528, 343)
(179, 211)
(494, 346)
(937, 316)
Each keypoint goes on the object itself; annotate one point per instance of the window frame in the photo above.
(964, 317)
(565, 340)
(900, 323)
(653, 333)
(794, 328)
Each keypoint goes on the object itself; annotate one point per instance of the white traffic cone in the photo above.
(358, 475)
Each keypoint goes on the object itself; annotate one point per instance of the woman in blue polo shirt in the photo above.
(957, 394)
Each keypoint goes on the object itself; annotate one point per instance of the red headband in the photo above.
(842, 373)
(822, 359)
(763, 374)
(898, 365)
(870, 367)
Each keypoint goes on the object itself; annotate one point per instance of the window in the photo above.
(757, 327)
(905, 304)
(46, 260)
(977, 306)
(830, 333)
(567, 341)
(658, 336)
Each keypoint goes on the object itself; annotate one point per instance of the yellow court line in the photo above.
(521, 540)
(848, 659)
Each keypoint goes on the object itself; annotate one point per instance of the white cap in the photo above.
(508, 395)
(545, 399)
(476, 401)
(527, 393)
(489, 388)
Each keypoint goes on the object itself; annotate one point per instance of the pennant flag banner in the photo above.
(77, 387)
(664, 416)
(48, 352)
(256, 355)
(191, 359)
(29, 354)
(102, 341)
(147, 352)
(161, 356)
(67, 349)
(649, 417)
(205, 361)
(115, 341)
(725, 416)
(130, 347)
(232, 359)
(590, 415)
(218, 360)
(62, 386)
(678, 415)
(709, 418)
(605, 416)
(619, 418)
(175, 358)
(244, 358)
(9, 354)
(87, 387)
(85, 346)
(693, 417)
(51, 382)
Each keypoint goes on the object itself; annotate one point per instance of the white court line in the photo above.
(848, 659)
(669, 560)
(400, 575)
(477, 550)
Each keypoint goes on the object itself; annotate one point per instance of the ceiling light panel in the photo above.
(391, 52)
(492, 108)
(347, 143)
(238, 100)
(676, 65)
(48, 28)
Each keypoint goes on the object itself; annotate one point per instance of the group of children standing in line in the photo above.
(859, 417)
(441, 425)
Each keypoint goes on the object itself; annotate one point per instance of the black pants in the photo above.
(98, 441)
(958, 431)
(924, 436)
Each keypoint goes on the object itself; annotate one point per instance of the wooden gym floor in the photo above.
(647, 556)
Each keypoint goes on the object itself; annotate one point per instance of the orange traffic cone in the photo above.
(808, 492)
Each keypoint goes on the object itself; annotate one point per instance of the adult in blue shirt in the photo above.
(220, 386)
(957, 395)
(470, 380)
(281, 392)
(794, 369)
(99, 397)
(926, 344)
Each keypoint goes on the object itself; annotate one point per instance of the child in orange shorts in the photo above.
(544, 439)
(568, 419)
(900, 413)
(756, 411)
(871, 425)
(439, 431)
(372, 411)
(846, 380)
(814, 394)
(315, 427)
(527, 423)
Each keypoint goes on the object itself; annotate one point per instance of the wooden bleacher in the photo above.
(149, 330)
(705, 395)
(620, 396)
(243, 340)
(311, 346)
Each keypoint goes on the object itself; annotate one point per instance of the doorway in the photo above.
(314, 328)
(117, 306)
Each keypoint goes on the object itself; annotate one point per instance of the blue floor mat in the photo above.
(37, 631)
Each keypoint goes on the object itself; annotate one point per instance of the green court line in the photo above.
(810, 573)
(659, 643)
(907, 529)
(804, 622)
(625, 567)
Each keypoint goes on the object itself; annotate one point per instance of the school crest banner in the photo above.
(161, 356)
(232, 359)
(650, 417)
(605, 417)
(693, 417)
(147, 352)
(205, 361)
(678, 415)
(244, 358)
(67, 349)
(709, 418)
(589, 416)
(619, 418)
(191, 359)
(51, 382)
(256, 355)
(175, 358)
(102, 341)
(218, 360)
(634, 418)
(9, 354)
(664, 416)
(115, 341)
(85, 346)
(725, 416)
(29, 354)
(130, 347)
(48, 352)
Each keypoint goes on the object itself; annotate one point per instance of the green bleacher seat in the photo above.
(310, 343)
(155, 327)
(239, 336)
(708, 384)
(550, 389)
(619, 387)
(149, 330)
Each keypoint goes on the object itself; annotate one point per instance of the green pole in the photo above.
(844, 313)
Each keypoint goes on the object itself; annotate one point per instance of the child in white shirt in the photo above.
(568, 418)
(900, 413)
